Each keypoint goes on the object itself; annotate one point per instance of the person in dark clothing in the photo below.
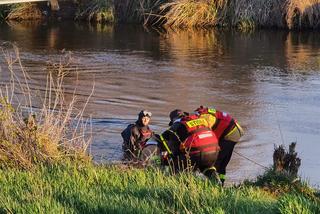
(136, 135)
(189, 143)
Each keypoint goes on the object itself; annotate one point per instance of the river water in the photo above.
(268, 80)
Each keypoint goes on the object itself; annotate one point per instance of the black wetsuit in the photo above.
(138, 136)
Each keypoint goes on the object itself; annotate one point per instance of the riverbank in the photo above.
(243, 15)
(50, 134)
(115, 189)
(81, 10)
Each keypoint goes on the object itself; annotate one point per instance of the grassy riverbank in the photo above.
(44, 167)
(243, 14)
(51, 133)
(93, 189)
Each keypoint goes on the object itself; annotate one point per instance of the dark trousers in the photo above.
(226, 149)
(201, 161)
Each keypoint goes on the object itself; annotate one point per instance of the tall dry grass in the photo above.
(303, 14)
(52, 132)
(25, 11)
(139, 11)
(291, 14)
(4, 11)
(246, 14)
(243, 14)
(96, 10)
(195, 13)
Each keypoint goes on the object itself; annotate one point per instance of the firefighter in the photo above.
(228, 132)
(190, 143)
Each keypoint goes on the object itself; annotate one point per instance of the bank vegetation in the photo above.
(38, 126)
(112, 189)
(241, 14)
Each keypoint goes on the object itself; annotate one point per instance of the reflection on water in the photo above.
(268, 80)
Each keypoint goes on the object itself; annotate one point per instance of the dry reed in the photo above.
(97, 11)
(303, 14)
(145, 11)
(198, 13)
(30, 135)
(291, 14)
(25, 11)
(243, 14)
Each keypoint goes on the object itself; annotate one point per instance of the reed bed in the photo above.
(291, 14)
(139, 11)
(194, 13)
(303, 14)
(101, 11)
(4, 11)
(51, 132)
(243, 14)
(25, 11)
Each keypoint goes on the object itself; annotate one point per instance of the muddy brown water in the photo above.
(269, 80)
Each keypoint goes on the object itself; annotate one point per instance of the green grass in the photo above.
(113, 189)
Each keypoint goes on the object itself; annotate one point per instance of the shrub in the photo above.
(46, 135)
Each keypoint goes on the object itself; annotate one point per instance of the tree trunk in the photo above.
(284, 161)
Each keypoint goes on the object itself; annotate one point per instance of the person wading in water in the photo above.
(136, 135)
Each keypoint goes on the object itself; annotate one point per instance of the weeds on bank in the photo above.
(193, 13)
(101, 11)
(282, 181)
(139, 11)
(283, 176)
(51, 133)
(246, 25)
(4, 11)
(279, 183)
(242, 14)
(25, 11)
(303, 14)
(294, 195)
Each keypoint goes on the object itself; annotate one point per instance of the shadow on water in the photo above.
(268, 80)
